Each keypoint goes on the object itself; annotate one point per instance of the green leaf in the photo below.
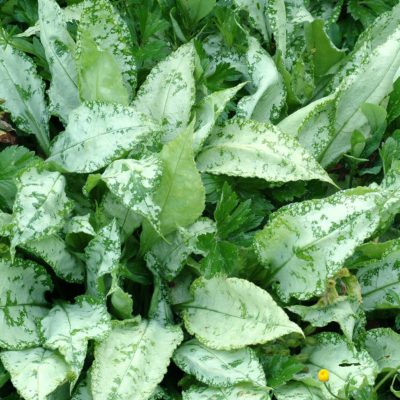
(275, 13)
(256, 11)
(229, 393)
(197, 9)
(82, 392)
(253, 149)
(68, 328)
(342, 311)
(97, 134)
(383, 345)
(133, 359)
(376, 116)
(13, 160)
(393, 108)
(219, 368)
(22, 297)
(135, 182)
(305, 243)
(280, 369)
(23, 92)
(122, 303)
(380, 280)
(35, 372)
(168, 91)
(299, 391)
(59, 48)
(40, 207)
(250, 313)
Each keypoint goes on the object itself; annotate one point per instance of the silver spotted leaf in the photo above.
(251, 314)
(299, 391)
(229, 393)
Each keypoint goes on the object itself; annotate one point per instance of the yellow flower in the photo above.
(323, 375)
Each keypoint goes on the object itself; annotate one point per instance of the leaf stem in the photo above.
(331, 393)
(384, 379)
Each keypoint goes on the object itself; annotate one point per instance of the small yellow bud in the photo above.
(323, 375)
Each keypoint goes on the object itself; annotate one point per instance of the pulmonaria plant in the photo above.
(202, 202)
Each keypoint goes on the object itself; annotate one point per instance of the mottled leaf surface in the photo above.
(230, 393)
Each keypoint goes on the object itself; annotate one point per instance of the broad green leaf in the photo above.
(393, 109)
(250, 313)
(253, 149)
(135, 182)
(197, 9)
(35, 372)
(268, 94)
(111, 34)
(229, 393)
(23, 92)
(168, 92)
(102, 257)
(13, 160)
(342, 311)
(22, 296)
(68, 328)
(53, 250)
(305, 243)
(59, 48)
(256, 11)
(219, 368)
(383, 345)
(207, 113)
(122, 303)
(167, 257)
(299, 391)
(346, 364)
(97, 134)
(133, 359)
(280, 369)
(380, 280)
(40, 207)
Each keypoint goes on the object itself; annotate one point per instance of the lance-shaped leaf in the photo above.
(219, 368)
(275, 12)
(133, 359)
(345, 363)
(229, 393)
(168, 91)
(167, 257)
(298, 391)
(40, 207)
(36, 372)
(22, 290)
(208, 111)
(103, 254)
(252, 149)
(250, 313)
(23, 92)
(343, 311)
(305, 243)
(97, 134)
(268, 93)
(380, 279)
(111, 34)
(53, 250)
(383, 345)
(59, 48)
(135, 182)
(68, 328)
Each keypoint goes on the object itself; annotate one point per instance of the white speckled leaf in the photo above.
(111, 34)
(251, 314)
(68, 328)
(23, 92)
(133, 359)
(36, 372)
(344, 362)
(275, 11)
(229, 393)
(343, 311)
(79, 224)
(380, 280)
(169, 90)
(305, 243)
(268, 93)
(53, 250)
(135, 182)
(383, 345)
(102, 257)
(40, 207)
(298, 391)
(167, 257)
(256, 10)
(59, 48)
(22, 289)
(82, 392)
(208, 111)
(252, 149)
(98, 134)
(219, 368)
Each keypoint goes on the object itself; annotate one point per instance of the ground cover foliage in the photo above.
(199, 199)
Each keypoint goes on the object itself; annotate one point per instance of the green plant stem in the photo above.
(331, 393)
(384, 379)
